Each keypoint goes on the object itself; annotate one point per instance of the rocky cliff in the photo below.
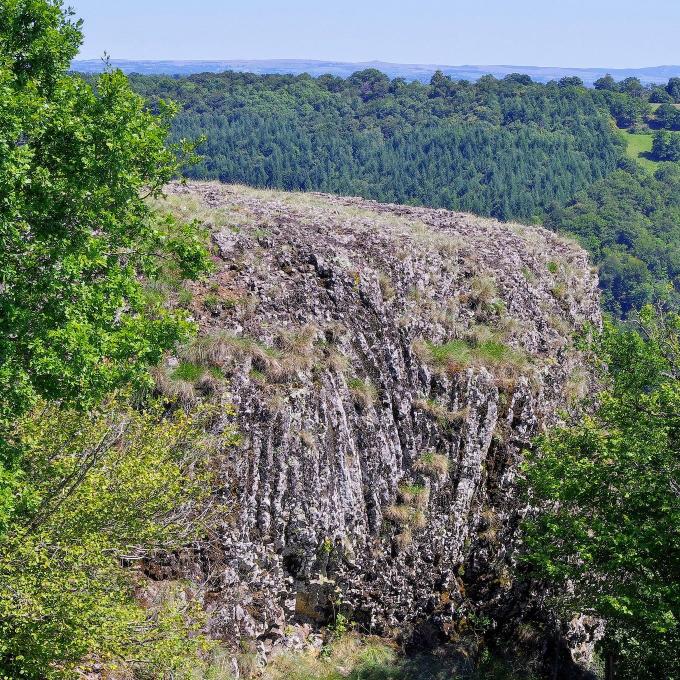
(387, 365)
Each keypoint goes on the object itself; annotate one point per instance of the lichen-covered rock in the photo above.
(388, 365)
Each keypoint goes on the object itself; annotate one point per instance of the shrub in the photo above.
(110, 485)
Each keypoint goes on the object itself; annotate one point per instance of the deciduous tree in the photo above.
(608, 493)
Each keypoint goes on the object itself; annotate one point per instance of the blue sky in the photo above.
(608, 33)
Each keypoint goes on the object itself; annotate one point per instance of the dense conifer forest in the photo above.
(503, 148)
(510, 148)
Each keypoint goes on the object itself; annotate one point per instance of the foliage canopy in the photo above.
(608, 488)
(75, 232)
(86, 482)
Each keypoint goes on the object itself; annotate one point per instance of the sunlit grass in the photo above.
(639, 147)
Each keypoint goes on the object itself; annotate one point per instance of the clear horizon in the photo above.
(574, 34)
(593, 67)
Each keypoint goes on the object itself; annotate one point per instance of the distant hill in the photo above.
(422, 72)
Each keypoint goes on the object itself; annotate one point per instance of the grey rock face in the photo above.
(376, 465)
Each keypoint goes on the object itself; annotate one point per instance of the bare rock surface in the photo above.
(388, 365)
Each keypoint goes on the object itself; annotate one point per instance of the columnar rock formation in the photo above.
(387, 365)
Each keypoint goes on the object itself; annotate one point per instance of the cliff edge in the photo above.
(388, 365)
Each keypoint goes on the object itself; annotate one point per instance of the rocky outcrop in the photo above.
(388, 365)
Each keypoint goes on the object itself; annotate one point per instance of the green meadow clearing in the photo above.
(639, 147)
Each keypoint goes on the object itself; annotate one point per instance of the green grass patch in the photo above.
(456, 351)
(492, 354)
(363, 390)
(411, 489)
(639, 148)
(188, 372)
(432, 463)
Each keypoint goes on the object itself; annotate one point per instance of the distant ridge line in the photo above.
(422, 72)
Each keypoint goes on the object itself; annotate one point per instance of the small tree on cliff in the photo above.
(608, 489)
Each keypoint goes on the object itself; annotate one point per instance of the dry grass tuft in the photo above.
(211, 350)
(404, 538)
(307, 438)
(301, 340)
(415, 495)
(180, 391)
(483, 289)
(431, 463)
(363, 391)
(577, 386)
(386, 287)
(210, 384)
(337, 361)
(399, 514)
(349, 657)
(419, 520)
(480, 334)
(559, 291)
(491, 526)
(441, 413)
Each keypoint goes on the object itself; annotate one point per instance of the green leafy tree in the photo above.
(666, 146)
(86, 483)
(673, 89)
(75, 233)
(371, 83)
(658, 95)
(519, 78)
(605, 83)
(633, 87)
(608, 495)
(668, 117)
(627, 110)
(107, 488)
(441, 85)
(570, 81)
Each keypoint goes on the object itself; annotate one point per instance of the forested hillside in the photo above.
(503, 148)
(510, 148)
(630, 222)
